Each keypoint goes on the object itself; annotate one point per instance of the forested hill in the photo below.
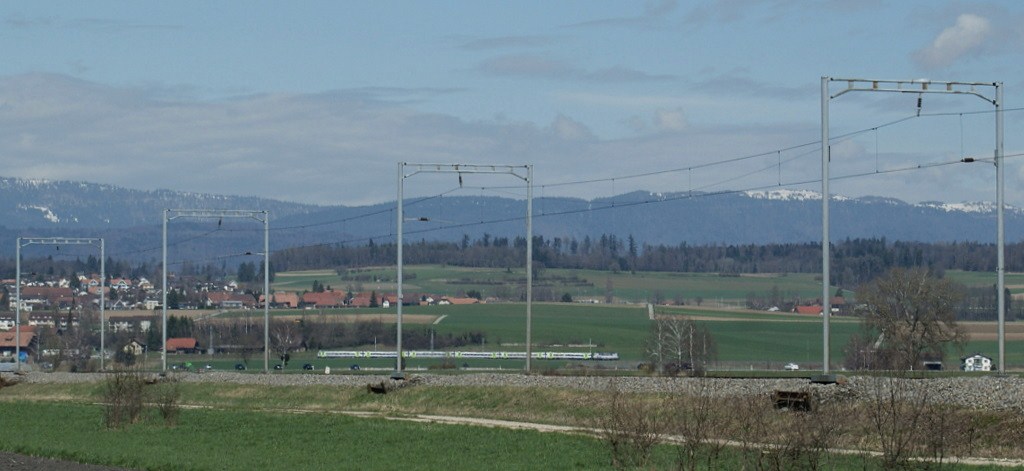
(130, 220)
(854, 261)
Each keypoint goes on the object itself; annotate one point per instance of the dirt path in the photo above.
(16, 462)
(548, 428)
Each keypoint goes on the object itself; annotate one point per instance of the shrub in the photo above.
(122, 398)
(631, 426)
(698, 424)
(167, 397)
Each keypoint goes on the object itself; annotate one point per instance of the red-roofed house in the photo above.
(120, 284)
(362, 300)
(182, 345)
(286, 299)
(326, 299)
(458, 301)
(8, 341)
(45, 296)
(813, 310)
(409, 299)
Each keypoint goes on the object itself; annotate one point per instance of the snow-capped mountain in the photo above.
(131, 219)
(79, 205)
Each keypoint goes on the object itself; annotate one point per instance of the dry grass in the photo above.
(385, 318)
(987, 330)
(795, 436)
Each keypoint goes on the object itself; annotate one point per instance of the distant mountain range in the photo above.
(130, 220)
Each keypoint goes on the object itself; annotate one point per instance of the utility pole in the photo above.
(460, 169)
(919, 88)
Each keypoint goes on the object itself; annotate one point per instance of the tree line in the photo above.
(854, 261)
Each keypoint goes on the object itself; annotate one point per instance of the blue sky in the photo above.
(315, 102)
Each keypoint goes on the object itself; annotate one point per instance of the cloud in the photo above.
(532, 66)
(341, 146)
(968, 35)
(655, 12)
(508, 42)
(17, 21)
(738, 82)
(662, 120)
(719, 12)
(670, 120)
(529, 66)
(324, 148)
(716, 12)
(568, 129)
(116, 26)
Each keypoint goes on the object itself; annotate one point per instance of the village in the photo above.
(132, 310)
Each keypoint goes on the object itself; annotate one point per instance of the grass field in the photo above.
(242, 440)
(1014, 281)
(745, 339)
(241, 427)
(635, 287)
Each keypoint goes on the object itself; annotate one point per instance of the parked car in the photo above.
(240, 366)
(791, 367)
(308, 367)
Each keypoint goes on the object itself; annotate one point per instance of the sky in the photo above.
(317, 102)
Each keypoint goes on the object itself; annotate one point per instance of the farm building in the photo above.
(183, 345)
(976, 362)
(9, 338)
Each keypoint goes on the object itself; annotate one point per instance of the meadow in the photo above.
(233, 426)
(590, 284)
(746, 340)
(231, 439)
(230, 426)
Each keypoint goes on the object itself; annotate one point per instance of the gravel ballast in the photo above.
(983, 392)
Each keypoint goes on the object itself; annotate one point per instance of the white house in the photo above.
(976, 362)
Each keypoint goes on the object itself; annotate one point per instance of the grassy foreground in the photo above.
(231, 426)
(243, 440)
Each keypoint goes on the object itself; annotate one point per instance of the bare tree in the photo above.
(913, 315)
(74, 344)
(285, 336)
(678, 344)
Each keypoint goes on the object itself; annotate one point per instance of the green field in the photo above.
(243, 440)
(745, 339)
(638, 287)
(240, 427)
